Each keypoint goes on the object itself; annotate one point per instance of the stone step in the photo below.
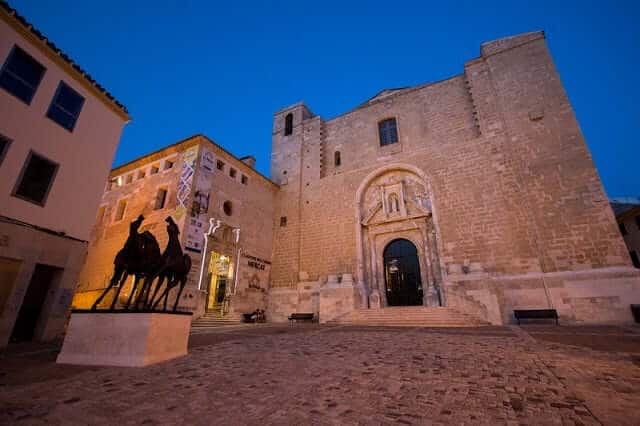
(409, 316)
(409, 324)
(425, 315)
(216, 319)
(205, 322)
(416, 315)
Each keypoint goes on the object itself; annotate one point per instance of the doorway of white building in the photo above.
(30, 313)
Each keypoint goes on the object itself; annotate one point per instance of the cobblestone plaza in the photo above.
(311, 374)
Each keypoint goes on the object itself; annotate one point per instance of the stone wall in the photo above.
(580, 297)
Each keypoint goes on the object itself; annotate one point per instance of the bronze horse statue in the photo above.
(140, 257)
(175, 269)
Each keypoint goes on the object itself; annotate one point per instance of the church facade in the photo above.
(476, 193)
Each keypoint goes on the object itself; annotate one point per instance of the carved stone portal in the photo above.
(395, 202)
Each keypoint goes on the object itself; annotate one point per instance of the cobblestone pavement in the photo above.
(340, 375)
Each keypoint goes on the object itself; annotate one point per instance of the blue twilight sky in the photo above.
(223, 67)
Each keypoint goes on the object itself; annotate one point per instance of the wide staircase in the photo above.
(213, 319)
(409, 316)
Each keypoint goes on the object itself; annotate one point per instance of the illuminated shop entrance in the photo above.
(402, 274)
(220, 280)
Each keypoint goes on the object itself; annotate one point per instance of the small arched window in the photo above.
(336, 158)
(227, 208)
(288, 124)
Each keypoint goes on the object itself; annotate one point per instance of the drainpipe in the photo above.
(213, 225)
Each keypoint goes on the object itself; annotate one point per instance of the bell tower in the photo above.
(288, 139)
(286, 145)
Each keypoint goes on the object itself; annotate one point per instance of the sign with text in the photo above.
(256, 262)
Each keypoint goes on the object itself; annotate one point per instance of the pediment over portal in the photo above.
(395, 195)
(379, 217)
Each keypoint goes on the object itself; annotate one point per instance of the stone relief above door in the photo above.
(397, 196)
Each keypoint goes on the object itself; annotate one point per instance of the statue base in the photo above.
(125, 338)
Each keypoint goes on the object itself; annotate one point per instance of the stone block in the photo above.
(124, 339)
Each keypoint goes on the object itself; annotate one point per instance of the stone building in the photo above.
(59, 131)
(627, 211)
(476, 193)
(215, 198)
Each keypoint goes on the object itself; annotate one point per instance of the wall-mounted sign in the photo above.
(254, 282)
(256, 262)
(200, 204)
(256, 265)
(207, 161)
(194, 235)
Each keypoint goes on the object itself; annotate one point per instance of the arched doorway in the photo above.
(403, 285)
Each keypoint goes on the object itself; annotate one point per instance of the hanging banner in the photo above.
(186, 179)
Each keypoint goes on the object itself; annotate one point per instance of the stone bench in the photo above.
(300, 317)
(535, 314)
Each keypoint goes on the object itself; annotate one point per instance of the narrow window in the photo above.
(336, 158)
(623, 229)
(119, 181)
(111, 184)
(4, 147)
(122, 206)
(161, 197)
(227, 208)
(388, 131)
(129, 178)
(100, 216)
(283, 221)
(141, 174)
(637, 217)
(154, 169)
(36, 179)
(168, 164)
(220, 165)
(244, 180)
(232, 172)
(288, 124)
(634, 258)
(66, 106)
(21, 75)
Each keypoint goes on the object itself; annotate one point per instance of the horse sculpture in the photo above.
(175, 269)
(140, 257)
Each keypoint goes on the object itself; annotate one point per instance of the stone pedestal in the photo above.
(335, 300)
(125, 339)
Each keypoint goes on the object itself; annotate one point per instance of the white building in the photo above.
(59, 131)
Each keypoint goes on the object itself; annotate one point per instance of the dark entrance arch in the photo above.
(402, 274)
